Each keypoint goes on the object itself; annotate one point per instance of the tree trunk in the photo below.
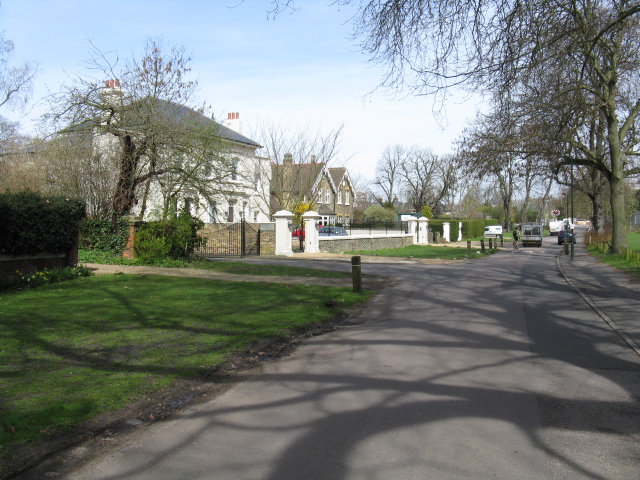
(124, 197)
(616, 182)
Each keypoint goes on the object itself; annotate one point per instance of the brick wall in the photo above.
(27, 264)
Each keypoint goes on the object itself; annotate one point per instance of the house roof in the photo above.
(181, 111)
(168, 111)
(337, 175)
(297, 177)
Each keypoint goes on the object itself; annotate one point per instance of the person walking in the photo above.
(516, 237)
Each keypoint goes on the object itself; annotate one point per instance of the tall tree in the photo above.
(15, 80)
(427, 178)
(298, 155)
(387, 185)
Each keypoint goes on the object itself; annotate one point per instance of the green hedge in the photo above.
(470, 228)
(475, 228)
(101, 235)
(176, 238)
(31, 223)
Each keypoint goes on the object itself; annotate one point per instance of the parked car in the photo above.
(493, 231)
(330, 231)
(566, 234)
(298, 233)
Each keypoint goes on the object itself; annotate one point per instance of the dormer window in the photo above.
(320, 196)
(327, 197)
(346, 197)
(339, 199)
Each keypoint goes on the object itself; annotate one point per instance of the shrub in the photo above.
(31, 223)
(101, 235)
(46, 276)
(176, 238)
(427, 213)
(379, 213)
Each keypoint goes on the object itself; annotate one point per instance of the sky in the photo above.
(299, 68)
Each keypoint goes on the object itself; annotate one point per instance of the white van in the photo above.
(493, 231)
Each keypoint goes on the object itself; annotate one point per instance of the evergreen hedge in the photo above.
(470, 228)
(31, 223)
(101, 235)
(176, 238)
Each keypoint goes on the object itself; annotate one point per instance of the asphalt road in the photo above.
(495, 368)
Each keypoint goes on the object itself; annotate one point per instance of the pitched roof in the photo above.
(297, 177)
(337, 175)
(182, 111)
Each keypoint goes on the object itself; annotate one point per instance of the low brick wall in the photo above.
(364, 242)
(267, 242)
(27, 264)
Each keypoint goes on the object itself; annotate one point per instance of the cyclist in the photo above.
(516, 237)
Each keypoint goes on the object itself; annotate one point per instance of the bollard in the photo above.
(468, 247)
(490, 244)
(566, 247)
(501, 241)
(482, 245)
(356, 273)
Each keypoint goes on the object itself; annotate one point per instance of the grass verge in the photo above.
(241, 268)
(616, 261)
(73, 350)
(427, 251)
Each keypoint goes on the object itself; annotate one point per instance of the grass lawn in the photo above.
(631, 267)
(71, 350)
(241, 268)
(427, 251)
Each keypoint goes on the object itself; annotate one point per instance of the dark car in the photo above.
(332, 231)
(571, 238)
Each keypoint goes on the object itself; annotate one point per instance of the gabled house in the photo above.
(312, 186)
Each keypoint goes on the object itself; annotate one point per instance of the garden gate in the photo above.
(239, 239)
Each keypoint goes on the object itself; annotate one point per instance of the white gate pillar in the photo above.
(283, 220)
(412, 224)
(423, 230)
(446, 231)
(311, 240)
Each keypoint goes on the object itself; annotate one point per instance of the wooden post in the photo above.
(468, 247)
(356, 273)
(482, 246)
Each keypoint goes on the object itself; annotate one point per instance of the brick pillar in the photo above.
(134, 225)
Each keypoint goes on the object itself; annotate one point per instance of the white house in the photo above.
(228, 186)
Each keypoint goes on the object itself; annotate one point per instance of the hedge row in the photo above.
(31, 223)
(101, 235)
(470, 228)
